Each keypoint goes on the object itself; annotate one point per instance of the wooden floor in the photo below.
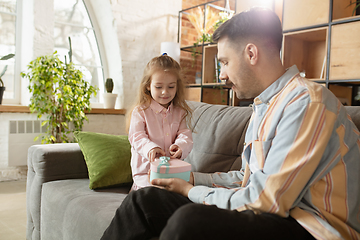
(13, 210)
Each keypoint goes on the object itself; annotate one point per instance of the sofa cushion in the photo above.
(107, 158)
(70, 210)
(219, 134)
(354, 113)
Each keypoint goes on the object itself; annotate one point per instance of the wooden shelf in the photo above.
(25, 109)
(215, 96)
(209, 65)
(193, 94)
(14, 109)
(194, 85)
(107, 111)
(241, 102)
(343, 10)
(307, 49)
(326, 46)
(345, 51)
(304, 13)
(343, 93)
(214, 84)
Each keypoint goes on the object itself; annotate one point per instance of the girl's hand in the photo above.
(155, 152)
(175, 151)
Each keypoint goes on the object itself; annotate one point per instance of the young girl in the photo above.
(158, 122)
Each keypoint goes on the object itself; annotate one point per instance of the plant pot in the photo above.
(109, 100)
(2, 90)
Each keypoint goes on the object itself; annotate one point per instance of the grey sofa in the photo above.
(60, 204)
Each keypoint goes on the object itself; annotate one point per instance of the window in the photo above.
(72, 20)
(7, 44)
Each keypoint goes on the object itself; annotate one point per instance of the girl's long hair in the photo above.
(167, 64)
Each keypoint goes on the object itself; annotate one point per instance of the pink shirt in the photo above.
(153, 127)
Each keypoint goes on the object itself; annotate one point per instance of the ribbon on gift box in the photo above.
(164, 162)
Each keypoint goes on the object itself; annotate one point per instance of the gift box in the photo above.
(164, 167)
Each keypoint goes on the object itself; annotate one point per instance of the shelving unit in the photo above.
(320, 37)
(323, 40)
(200, 70)
(345, 39)
(307, 49)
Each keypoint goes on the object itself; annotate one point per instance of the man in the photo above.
(301, 162)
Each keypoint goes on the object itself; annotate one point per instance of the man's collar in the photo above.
(276, 86)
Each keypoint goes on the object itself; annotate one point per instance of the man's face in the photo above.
(236, 70)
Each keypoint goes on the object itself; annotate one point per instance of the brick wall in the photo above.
(191, 3)
(192, 65)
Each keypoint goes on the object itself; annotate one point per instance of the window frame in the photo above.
(17, 67)
(95, 32)
(102, 19)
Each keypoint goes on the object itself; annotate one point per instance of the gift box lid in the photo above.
(167, 165)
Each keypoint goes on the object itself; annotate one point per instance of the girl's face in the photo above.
(163, 87)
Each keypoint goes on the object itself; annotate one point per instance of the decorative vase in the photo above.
(110, 100)
(2, 89)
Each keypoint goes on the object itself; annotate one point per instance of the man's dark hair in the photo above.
(257, 23)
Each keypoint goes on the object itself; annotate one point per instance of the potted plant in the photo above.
(61, 94)
(109, 97)
(2, 87)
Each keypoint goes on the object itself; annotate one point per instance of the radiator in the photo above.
(21, 137)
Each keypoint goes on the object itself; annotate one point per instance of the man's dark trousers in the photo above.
(153, 212)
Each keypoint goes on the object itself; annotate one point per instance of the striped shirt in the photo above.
(301, 158)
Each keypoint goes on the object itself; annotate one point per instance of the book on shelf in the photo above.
(217, 70)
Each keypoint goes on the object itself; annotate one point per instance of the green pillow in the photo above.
(107, 158)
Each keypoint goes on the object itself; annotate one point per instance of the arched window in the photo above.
(7, 44)
(72, 20)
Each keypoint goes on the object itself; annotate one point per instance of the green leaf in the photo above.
(6, 57)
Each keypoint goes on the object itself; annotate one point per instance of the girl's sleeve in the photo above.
(184, 139)
(138, 137)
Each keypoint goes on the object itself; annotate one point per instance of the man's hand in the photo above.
(155, 152)
(175, 151)
(174, 185)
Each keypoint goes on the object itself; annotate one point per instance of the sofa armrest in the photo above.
(57, 161)
(47, 163)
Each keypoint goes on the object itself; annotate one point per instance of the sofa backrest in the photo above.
(354, 112)
(219, 133)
